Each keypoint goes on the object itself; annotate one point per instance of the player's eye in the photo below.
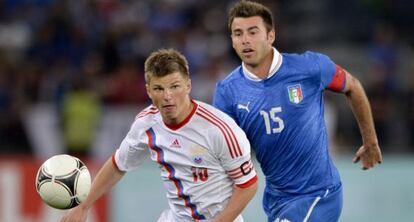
(237, 34)
(253, 31)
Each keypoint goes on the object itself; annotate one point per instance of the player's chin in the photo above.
(247, 58)
(169, 113)
(250, 61)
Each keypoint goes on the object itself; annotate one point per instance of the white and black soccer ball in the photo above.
(63, 181)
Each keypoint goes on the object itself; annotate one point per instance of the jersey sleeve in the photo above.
(233, 150)
(338, 80)
(133, 150)
(327, 70)
(222, 100)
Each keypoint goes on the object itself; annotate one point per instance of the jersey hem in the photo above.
(248, 183)
(114, 163)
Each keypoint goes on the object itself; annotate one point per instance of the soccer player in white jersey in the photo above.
(204, 156)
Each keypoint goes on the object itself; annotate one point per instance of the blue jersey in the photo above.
(283, 117)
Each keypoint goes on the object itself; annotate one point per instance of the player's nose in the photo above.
(245, 40)
(167, 94)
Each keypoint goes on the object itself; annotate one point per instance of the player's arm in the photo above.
(106, 178)
(240, 198)
(241, 170)
(369, 153)
(236, 160)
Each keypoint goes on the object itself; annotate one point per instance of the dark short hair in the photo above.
(164, 62)
(246, 9)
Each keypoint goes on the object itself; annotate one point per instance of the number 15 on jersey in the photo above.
(271, 115)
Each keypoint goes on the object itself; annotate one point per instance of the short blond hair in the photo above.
(164, 62)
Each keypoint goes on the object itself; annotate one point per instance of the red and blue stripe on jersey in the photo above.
(171, 175)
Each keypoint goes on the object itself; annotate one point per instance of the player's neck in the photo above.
(262, 69)
(186, 111)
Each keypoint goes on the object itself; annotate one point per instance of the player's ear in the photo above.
(233, 44)
(189, 85)
(232, 41)
(271, 36)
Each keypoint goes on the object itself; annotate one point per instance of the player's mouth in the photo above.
(168, 108)
(247, 52)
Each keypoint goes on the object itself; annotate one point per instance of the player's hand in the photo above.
(369, 155)
(77, 214)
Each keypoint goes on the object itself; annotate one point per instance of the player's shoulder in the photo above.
(309, 62)
(307, 56)
(234, 75)
(210, 113)
(149, 111)
(147, 117)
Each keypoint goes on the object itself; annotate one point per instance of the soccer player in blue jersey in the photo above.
(277, 98)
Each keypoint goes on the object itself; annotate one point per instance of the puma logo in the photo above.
(245, 107)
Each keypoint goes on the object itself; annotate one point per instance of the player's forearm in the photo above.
(238, 201)
(106, 178)
(362, 111)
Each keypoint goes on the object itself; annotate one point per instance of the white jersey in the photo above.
(200, 159)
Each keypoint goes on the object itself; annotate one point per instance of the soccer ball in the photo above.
(63, 181)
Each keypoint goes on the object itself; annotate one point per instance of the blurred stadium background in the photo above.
(71, 81)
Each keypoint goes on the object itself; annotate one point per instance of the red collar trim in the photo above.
(185, 121)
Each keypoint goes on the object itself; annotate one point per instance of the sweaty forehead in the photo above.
(240, 23)
(167, 79)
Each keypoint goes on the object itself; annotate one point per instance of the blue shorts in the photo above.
(324, 205)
